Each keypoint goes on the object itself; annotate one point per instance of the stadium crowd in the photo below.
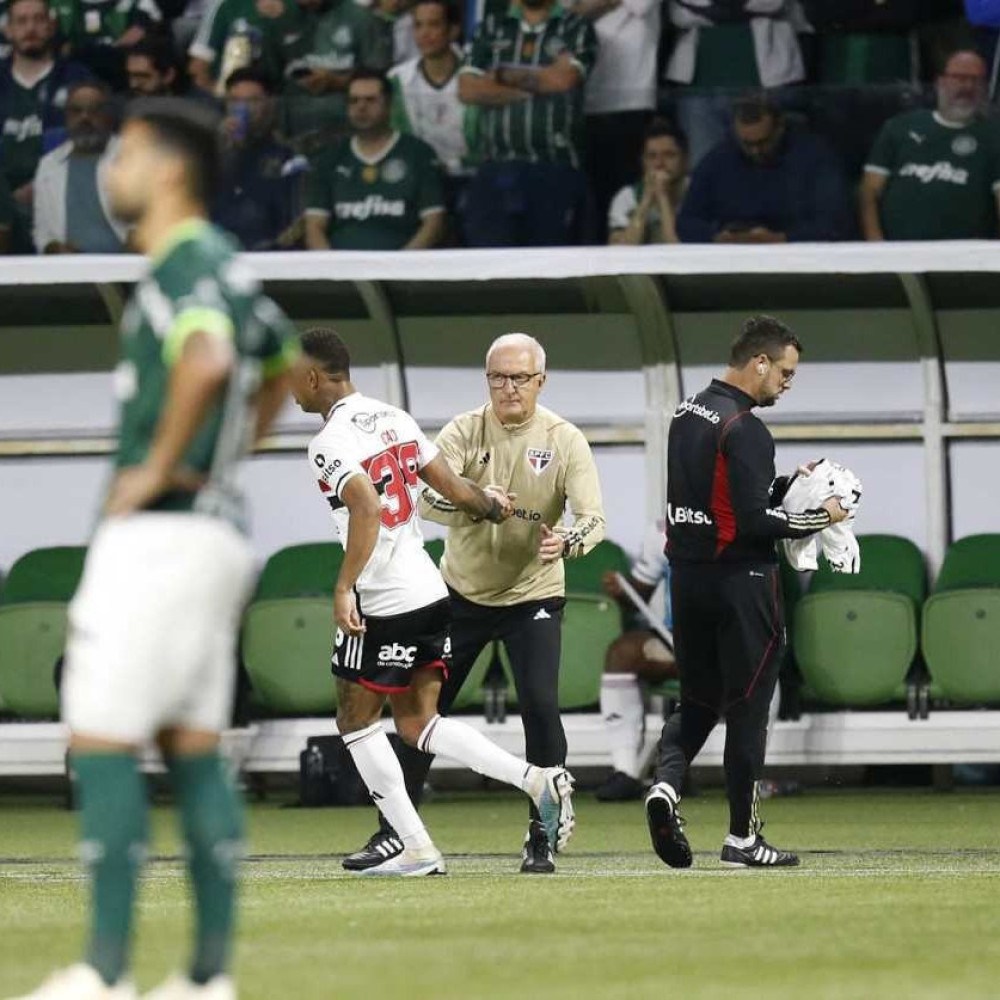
(408, 124)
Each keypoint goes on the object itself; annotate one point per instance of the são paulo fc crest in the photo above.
(539, 459)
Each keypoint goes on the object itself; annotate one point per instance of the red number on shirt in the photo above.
(395, 470)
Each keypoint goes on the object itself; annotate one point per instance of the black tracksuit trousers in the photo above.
(729, 636)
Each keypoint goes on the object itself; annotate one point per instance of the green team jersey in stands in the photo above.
(544, 128)
(342, 37)
(375, 203)
(103, 22)
(941, 179)
(267, 22)
(198, 285)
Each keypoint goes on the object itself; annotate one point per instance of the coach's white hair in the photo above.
(521, 340)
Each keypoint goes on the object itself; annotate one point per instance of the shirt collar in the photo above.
(515, 11)
(730, 390)
(189, 229)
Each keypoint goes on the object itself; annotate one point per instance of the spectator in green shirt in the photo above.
(525, 71)
(237, 33)
(935, 175)
(100, 33)
(334, 38)
(379, 190)
(7, 216)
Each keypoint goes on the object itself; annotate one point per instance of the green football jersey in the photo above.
(266, 22)
(197, 284)
(375, 204)
(941, 178)
(103, 22)
(341, 38)
(8, 210)
(546, 128)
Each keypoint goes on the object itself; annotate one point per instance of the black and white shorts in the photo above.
(385, 655)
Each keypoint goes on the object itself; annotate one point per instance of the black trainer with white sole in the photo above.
(381, 847)
(536, 855)
(666, 828)
(760, 854)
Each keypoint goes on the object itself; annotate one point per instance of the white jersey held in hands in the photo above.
(366, 437)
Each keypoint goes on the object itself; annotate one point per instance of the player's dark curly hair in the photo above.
(189, 129)
(323, 344)
(762, 335)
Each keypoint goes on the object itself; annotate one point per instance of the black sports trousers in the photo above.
(532, 635)
(729, 639)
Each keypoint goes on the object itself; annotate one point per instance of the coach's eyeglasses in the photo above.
(497, 381)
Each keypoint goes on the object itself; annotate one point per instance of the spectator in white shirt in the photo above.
(646, 212)
(620, 93)
(425, 89)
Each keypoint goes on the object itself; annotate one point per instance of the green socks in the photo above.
(212, 820)
(113, 804)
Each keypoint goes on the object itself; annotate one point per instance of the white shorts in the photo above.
(153, 627)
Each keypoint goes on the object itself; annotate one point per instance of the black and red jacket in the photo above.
(723, 501)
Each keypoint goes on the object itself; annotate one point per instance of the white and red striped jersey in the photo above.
(365, 437)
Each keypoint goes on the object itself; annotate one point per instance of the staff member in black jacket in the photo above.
(723, 516)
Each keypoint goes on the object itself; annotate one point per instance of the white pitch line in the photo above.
(463, 872)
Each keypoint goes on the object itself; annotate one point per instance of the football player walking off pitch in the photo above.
(391, 604)
(507, 582)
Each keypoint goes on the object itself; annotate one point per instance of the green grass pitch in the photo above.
(898, 896)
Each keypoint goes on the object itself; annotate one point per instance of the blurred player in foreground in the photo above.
(152, 647)
(391, 604)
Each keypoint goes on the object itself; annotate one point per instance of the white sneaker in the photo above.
(552, 793)
(410, 863)
(181, 988)
(81, 982)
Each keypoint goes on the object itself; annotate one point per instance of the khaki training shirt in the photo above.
(546, 461)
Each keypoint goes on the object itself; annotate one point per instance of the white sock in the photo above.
(621, 709)
(468, 746)
(742, 842)
(670, 791)
(380, 771)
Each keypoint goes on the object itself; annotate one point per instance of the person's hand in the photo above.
(345, 612)
(132, 36)
(729, 236)
(25, 194)
(611, 583)
(806, 468)
(502, 497)
(659, 183)
(833, 508)
(133, 489)
(319, 81)
(761, 234)
(271, 9)
(551, 547)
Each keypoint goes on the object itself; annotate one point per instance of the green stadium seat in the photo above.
(33, 624)
(583, 576)
(590, 625)
(288, 631)
(961, 623)
(435, 549)
(300, 571)
(855, 635)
